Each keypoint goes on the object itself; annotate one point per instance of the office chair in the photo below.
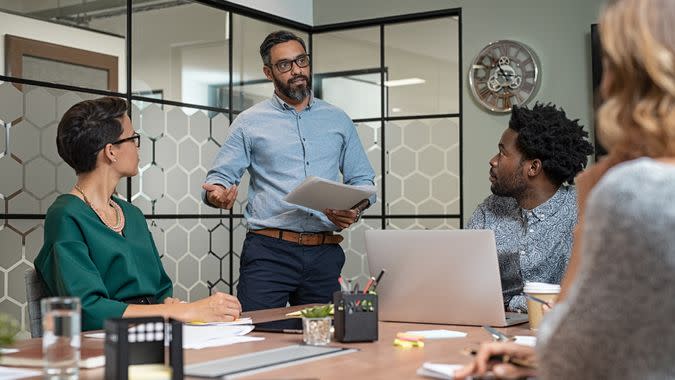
(35, 291)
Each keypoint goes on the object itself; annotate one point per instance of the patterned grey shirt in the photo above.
(532, 245)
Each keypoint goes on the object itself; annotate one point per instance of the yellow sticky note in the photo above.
(407, 344)
(149, 372)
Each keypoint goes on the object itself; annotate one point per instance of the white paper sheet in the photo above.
(526, 340)
(240, 321)
(320, 194)
(438, 371)
(437, 334)
(10, 373)
(208, 335)
(202, 336)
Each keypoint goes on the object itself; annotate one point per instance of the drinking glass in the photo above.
(61, 337)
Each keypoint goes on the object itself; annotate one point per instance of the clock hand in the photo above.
(503, 72)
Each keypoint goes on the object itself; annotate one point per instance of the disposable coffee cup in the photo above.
(544, 292)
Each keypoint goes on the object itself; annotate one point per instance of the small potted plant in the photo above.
(316, 324)
(8, 329)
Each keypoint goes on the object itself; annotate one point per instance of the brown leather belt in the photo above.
(300, 238)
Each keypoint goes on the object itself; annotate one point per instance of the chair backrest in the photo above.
(35, 291)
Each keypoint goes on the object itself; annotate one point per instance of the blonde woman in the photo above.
(616, 320)
(98, 247)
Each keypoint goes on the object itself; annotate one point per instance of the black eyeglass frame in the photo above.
(291, 62)
(136, 136)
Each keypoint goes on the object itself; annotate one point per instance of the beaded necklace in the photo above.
(119, 215)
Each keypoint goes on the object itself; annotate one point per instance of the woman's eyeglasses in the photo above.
(135, 136)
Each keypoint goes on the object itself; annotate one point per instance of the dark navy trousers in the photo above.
(273, 272)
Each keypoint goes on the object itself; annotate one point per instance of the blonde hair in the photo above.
(637, 117)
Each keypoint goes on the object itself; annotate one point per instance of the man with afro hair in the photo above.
(533, 207)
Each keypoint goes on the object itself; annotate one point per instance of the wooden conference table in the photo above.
(374, 360)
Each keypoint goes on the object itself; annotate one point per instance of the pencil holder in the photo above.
(355, 317)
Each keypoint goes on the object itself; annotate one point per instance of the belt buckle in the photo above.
(300, 236)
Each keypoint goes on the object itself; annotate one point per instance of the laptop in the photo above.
(439, 276)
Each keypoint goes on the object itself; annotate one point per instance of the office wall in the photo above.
(297, 10)
(558, 31)
(63, 35)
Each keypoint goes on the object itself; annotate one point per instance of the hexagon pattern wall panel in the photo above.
(354, 245)
(178, 146)
(370, 136)
(196, 254)
(20, 241)
(422, 167)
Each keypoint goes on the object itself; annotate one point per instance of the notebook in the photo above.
(262, 361)
(439, 276)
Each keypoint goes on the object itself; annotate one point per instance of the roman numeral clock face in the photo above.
(504, 73)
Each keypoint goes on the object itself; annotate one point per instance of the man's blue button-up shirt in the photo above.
(281, 147)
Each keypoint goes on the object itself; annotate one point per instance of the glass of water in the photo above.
(61, 337)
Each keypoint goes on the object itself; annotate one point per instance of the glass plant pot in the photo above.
(316, 331)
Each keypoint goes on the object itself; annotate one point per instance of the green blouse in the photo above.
(82, 257)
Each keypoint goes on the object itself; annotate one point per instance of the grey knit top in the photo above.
(619, 319)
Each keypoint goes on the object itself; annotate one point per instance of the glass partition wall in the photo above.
(400, 80)
(188, 68)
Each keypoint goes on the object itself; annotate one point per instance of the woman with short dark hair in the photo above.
(98, 247)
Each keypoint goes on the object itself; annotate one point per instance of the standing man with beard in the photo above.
(290, 253)
(533, 209)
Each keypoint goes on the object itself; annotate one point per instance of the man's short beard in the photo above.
(298, 93)
(514, 188)
(514, 191)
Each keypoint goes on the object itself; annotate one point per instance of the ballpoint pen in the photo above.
(498, 335)
(379, 278)
(504, 359)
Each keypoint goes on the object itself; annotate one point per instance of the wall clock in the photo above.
(503, 74)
